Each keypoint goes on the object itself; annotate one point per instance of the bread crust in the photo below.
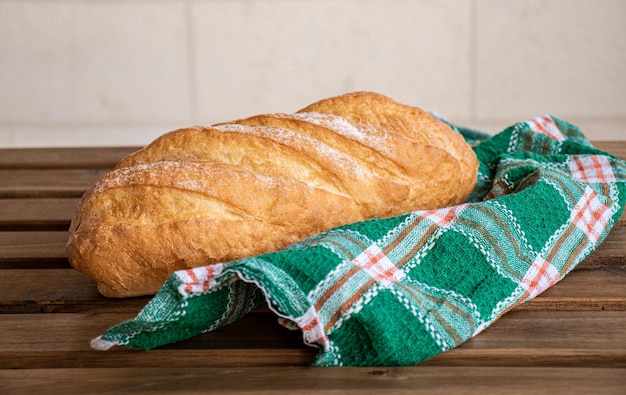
(374, 109)
(204, 195)
(140, 223)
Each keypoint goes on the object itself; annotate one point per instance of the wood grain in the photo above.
(47, 183)
(33, 249)
(62, 341)
(58, 290)
(525, 338)
(63, 158)
(583, 290)
(36, 214)
(301, 380)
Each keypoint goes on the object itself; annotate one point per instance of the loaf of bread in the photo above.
(204, 195)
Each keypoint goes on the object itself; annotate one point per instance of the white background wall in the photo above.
(122, 72)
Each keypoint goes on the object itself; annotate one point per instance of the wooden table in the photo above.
(571, 339)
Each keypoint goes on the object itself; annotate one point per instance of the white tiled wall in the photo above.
(122, 72)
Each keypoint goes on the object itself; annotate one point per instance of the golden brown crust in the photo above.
(391, 165)
(204, 195)
(139, 224)
(374, 109)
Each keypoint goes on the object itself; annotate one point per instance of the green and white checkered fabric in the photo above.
(398, 291)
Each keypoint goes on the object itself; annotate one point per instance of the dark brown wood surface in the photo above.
(570, 339)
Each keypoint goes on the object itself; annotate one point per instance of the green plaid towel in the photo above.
(398, 291)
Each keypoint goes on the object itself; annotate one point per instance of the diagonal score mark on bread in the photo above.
(387, 161)
(274, 152)
(379, 111)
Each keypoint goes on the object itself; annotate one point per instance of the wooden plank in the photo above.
(36, 214)
(612, 251)
(58, 291)
(73, 332)
(303, 380)
(62, 341)
(580, 290)
(617, 148)
(69, 158)
(68, 291)
(47, 183)
(545, 338)
(33, 249)
(524, 338)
